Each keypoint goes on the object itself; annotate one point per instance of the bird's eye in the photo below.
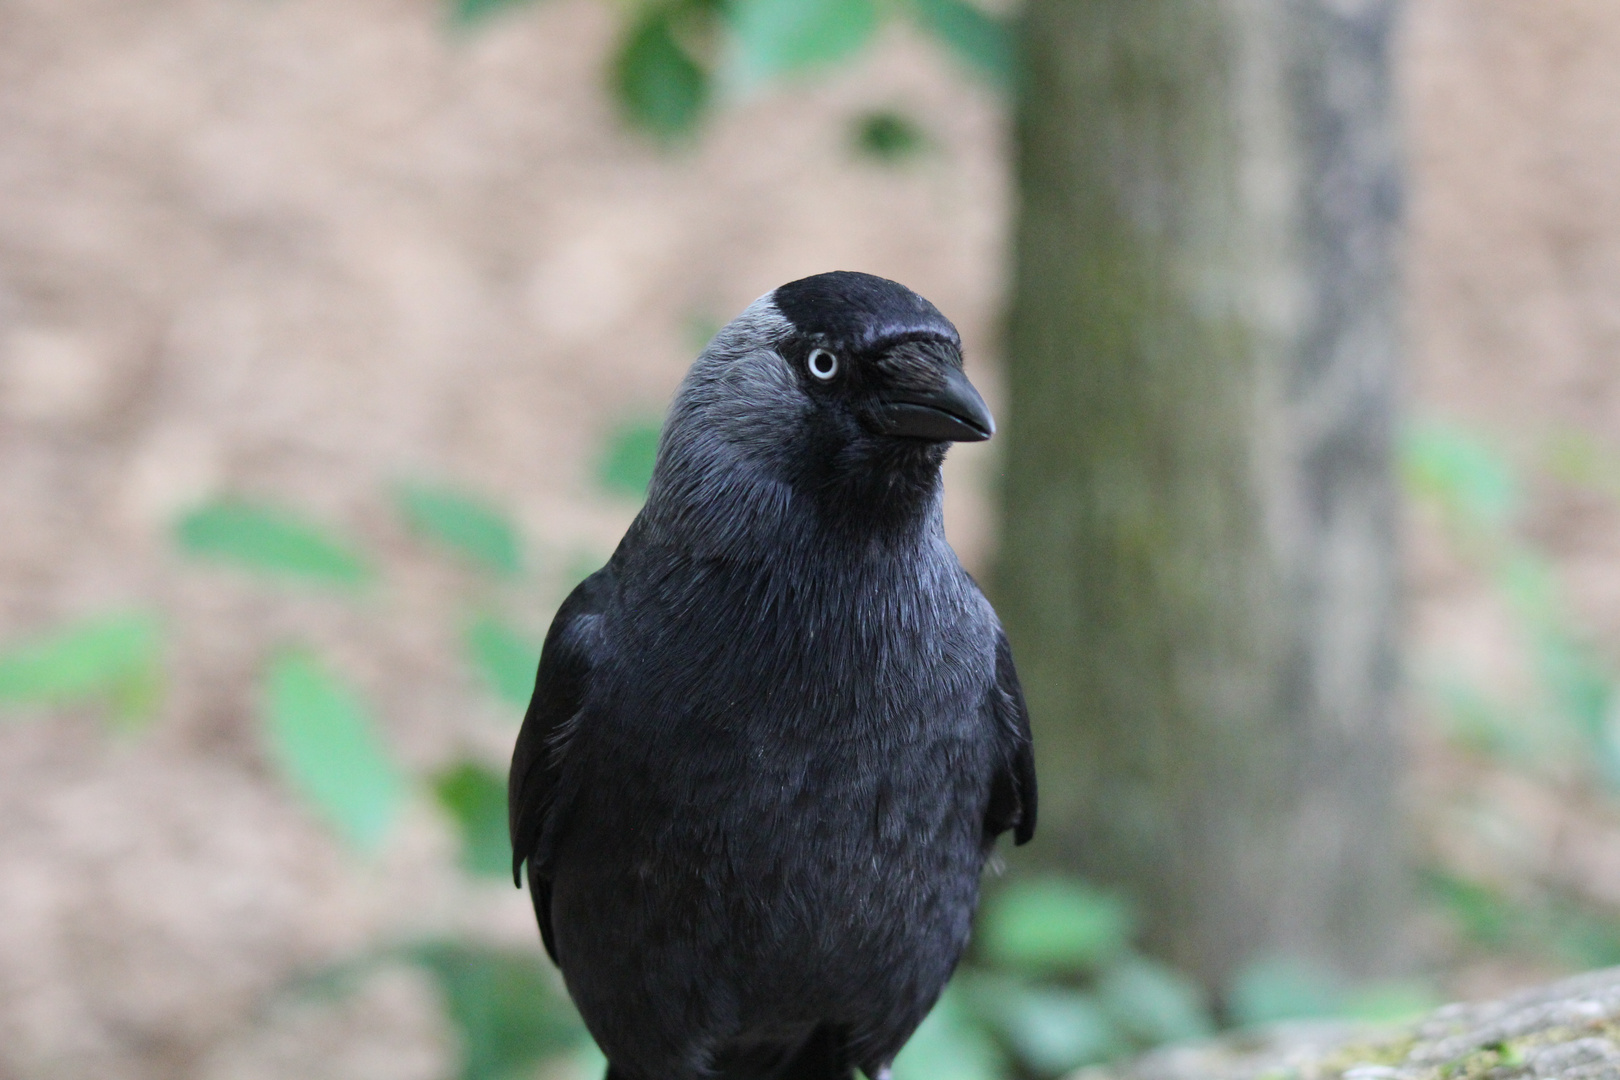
(823, 364)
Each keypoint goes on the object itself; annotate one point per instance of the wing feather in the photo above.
(1012, 793)
(566, 660)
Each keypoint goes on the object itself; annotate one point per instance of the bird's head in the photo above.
(843, 385)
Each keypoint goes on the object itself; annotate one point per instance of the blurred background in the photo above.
(334, 338)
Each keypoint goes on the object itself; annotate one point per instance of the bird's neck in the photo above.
(736, 508)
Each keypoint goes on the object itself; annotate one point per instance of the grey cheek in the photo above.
(740, 393)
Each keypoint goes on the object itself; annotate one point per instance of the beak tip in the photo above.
(952, 413)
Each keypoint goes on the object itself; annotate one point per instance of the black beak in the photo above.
(953, 412)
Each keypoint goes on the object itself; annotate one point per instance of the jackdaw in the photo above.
(773, 740)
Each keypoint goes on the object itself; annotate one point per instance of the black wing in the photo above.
(566, 660)
(1012, 793)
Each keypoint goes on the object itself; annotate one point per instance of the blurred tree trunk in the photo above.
(1198, 569)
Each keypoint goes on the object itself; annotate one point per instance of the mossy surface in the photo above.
(1570, 1028)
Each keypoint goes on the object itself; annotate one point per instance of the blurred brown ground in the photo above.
(300, 249)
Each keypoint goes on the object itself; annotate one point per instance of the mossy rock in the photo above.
(1568, 1030)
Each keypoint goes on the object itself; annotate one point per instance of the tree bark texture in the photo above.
(1198, 568)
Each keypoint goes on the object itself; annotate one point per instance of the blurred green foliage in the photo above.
(475, 798)
(464, 13)
(660, 88)
(1049, 1029)
(773, 38)
(673, 53)
(1054, 925)
(1153, 1003)
(1456, 470)
(506, 660)
(271, 540)
(950, 1045)
(113, 659)
(1571, 720)
(982, 41)
(1282, 988)
(505, 1005)
(888, 137)
(461, 524)
(1552, 926)
(1055, 981)
(627, 464)
(1567, 727)
(321, 736)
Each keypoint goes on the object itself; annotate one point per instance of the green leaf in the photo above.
(888, 137)
(466, 13)
(322, 738)
(475, 798)
(1457, 470)
(269, 540)
(1282, 988)
(949, 1045)
(632, 451)
(1054, 924)
(504, 1004)
(1051, 1030)
(114, 658)
(780, 37)
(463, 524)
(661, 89)
(982, 41)
(1154, 1003)
(506, 661)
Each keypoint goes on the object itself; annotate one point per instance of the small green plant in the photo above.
(1567, 727)
(675, 58)
(323, 738)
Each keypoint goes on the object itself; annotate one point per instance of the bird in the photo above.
(773, 740)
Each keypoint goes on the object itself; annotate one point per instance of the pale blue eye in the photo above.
(823, 364)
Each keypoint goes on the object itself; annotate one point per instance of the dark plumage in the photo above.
(773, 741)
